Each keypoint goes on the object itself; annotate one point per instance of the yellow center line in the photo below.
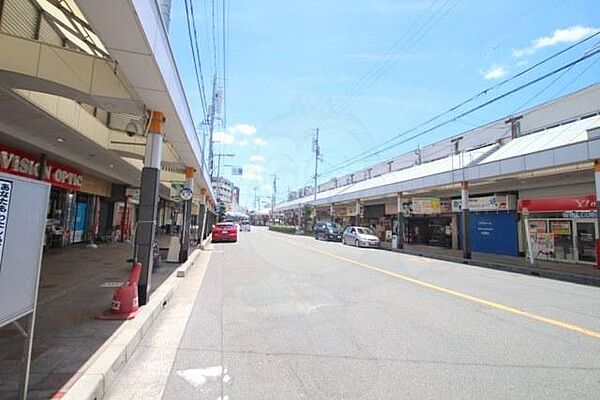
(474, 299)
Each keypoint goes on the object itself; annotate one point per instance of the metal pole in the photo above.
(400, 227)
(187, 215)
(148, 204)
(466, 221)
(317, 154)
(597, 182)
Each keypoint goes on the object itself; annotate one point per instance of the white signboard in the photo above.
(486, 203)
(23, 209)
(5, 191)
(426, 205)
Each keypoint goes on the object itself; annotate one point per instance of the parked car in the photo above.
(327, 230)
(245, 226)
(360, 237)
(224, 232)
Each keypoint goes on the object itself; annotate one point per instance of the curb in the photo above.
(181, 272)
(205, 242)
(525, 270)
(102, 368)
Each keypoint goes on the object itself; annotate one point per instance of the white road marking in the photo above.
(198, 376)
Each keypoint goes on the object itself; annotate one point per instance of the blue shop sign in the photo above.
(494, 232)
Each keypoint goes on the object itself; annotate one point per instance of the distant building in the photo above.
(224, 192)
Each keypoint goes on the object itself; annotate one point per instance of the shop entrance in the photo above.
(585, 241)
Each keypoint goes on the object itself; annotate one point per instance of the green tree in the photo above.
(222, 212)
(307, 220)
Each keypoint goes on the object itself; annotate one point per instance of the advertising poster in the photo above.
(560, 227)
(544, 243)
(426, 205)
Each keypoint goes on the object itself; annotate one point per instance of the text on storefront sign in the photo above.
(19, 163)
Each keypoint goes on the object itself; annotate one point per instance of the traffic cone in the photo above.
(125, 304)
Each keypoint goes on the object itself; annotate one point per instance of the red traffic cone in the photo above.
(125, 304)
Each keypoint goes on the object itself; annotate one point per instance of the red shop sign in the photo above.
(20, 163)
(558, 204)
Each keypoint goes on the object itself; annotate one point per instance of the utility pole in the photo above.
(255, 199)
(211, 125)
(317, 151)
(274, 197)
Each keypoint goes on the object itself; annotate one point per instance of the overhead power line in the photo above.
(191, 26)
(467, 112)
(359, 157)
(399, 48)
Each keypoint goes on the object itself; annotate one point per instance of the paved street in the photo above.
(276, 316)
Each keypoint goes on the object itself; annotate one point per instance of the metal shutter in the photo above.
(19, 18)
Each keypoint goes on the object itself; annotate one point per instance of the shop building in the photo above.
(561, 228)
(549, 151)
(79, 206)
(493, 224)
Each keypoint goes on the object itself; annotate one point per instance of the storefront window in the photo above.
(563, 239)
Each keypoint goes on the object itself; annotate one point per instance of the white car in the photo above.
(245, 226)
(360, 237)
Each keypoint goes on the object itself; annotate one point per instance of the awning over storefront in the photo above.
(416, 177)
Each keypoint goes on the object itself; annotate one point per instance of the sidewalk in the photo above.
(76, 285)
(576, 273)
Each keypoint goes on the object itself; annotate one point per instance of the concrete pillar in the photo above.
(465, 220)
(187, 217)
(597, 182)
(357, 211)
(332, 212)
(400, 227)
(148, 203)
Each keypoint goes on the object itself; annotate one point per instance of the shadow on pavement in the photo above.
(76, 285)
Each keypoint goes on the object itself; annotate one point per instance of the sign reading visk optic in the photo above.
(5, 191)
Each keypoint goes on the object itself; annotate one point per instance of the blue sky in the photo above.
(293, 66)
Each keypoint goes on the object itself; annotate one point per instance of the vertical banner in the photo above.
(5, 191)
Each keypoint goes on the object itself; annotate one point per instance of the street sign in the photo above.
(23, 204)
(186, 194)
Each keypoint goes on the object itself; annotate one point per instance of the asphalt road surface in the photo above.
(276, 316)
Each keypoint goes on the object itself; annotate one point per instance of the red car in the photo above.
(224, 232)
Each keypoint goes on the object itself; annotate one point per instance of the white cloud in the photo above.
(260, 142)
(242, 129)
(494, 72)
(243, 143)
(253, 172)
(522, 63)
(267, 186)
(568, 35)
(257, 158)
(223, 138)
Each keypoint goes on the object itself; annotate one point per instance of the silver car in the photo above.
(245, 226)
(360, 237)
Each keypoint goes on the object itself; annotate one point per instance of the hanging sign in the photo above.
(237, 171)
(176, 188)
